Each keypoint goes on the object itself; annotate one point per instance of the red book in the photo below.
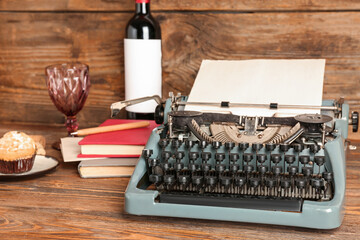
(124, 143)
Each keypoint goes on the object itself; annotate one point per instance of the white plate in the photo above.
(42, 165)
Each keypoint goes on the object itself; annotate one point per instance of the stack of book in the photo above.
(109, 154)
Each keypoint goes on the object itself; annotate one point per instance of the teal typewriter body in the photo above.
(270, 170)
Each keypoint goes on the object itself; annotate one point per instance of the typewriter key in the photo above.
(307, 171)
(293, 170)
(319, 160)
(298, 147)
(247, 157)
(304, 159)
(243, 146)
(270, 146)
(176, 143)
(179, 166)
(314, 148)
(205, 156)
(220, 157)
(234, 157)
(167, 166)
(285, 183)
(189, 143)
(179, 155)
(254, 182)
(193, 167)
(147, 153)
(193, 156)
(216, 144)
(197, 180)
(229, 145)
(284, 147)
(317, 183)
(290, 159)
(225, 181)
(260, 158)
(163, 142)
(153, 162)
(234, 168)
(154, 178)
(262, 169)
(166, 155)
(203, 145)
(220, 168)
(240, 181)
(206, 167)
(257, 146)
(275, 158)
(328, 176)
(277, 170)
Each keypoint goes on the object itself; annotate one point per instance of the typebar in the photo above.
(218, 200)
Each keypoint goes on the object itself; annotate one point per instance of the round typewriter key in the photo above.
(166, 166)
(270, 182)
(293, 170)
(166, 155)
(307, 171)
(189, 143)
(219, 156)
(205, 156)
(290, 159)
(225, 180)
(184, 179)
(211, 180)
(285, 183)
(277, 170)
(317, 183)
(298, 147)
(169, 179)
(260, 158)
(193, 156)
(234, 167)
(147, 153)
(203, 144)
(328, 176)
(257, 146)
(314, 148)
(247, 157)
(240, 181)
(284, 147)
(275, 158)
(206, 167)
(248, 168)
(193, 167)
(254, 182)
(270, 146)
(163, 142)
(234, 157)
(153, 162)
(262, 169)
(197, 180)
(243, 146)
(176, 143)
(304, 159)
(179, 155)
(300, 183)
(220, 167)
(319, 160)
(229, 145)
(179, 166)
(216, 144)
(155, 178)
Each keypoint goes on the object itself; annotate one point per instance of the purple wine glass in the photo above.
(68, 85)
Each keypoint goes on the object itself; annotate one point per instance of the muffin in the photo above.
(17, 153)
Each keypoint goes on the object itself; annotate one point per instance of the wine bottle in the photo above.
(142, 53)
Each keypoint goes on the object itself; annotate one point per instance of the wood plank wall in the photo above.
(36, 33)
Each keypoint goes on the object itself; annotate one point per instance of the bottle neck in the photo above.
(142, 7)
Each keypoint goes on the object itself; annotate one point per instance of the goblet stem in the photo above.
(71, 124)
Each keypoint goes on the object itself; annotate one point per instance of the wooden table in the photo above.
(61, 205)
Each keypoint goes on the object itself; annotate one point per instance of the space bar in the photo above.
(261, 203)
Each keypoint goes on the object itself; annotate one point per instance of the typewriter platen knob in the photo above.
(355, 121)
(159, 114)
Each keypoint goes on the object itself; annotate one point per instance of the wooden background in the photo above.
(37, 33)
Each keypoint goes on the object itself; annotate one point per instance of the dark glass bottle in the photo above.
(142, 26)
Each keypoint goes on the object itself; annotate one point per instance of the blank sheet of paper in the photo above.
(290, 82)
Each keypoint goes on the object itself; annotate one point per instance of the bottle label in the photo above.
(142, 72)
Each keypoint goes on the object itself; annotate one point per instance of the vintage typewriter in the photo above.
(272, 170)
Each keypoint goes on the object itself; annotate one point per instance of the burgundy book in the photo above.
(124, 143)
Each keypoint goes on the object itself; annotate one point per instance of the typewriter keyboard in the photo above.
(293, 171)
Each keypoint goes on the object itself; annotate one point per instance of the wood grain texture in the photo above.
(31, 41)
(61, 205)
(183, 5)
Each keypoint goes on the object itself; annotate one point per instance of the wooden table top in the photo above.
(61, 205)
